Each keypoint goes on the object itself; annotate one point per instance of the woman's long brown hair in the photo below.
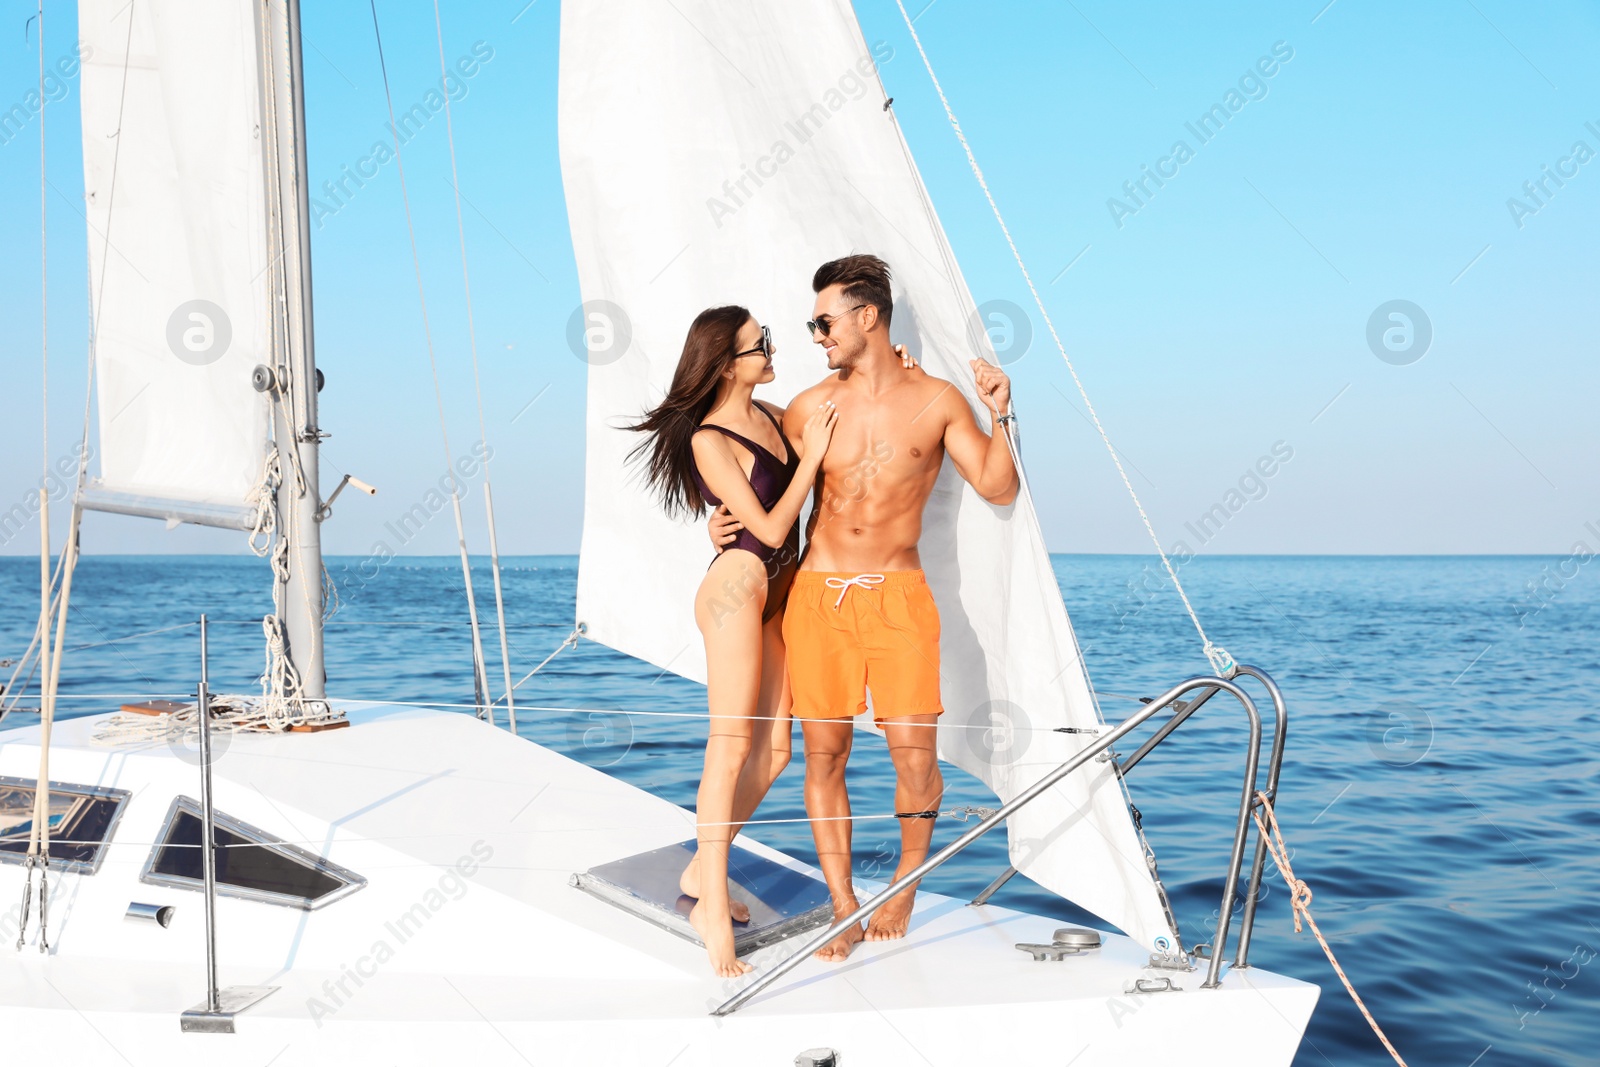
(671, 425)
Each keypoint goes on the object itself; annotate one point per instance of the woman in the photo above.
(712, 444)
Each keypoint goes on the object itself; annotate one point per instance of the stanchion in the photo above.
(215, 1014)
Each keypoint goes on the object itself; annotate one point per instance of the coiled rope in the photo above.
(283, 700)
(230, 714)
(1300, 902)
(264, 499)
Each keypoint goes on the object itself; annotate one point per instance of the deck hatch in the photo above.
(783, 902)
(251, 863)
(82, 820)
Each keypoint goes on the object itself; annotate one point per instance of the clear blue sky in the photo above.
(1228, 313)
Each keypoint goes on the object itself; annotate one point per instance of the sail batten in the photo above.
(178, 255)
(718, 153)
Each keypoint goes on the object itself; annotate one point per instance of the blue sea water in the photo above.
(1438, 792)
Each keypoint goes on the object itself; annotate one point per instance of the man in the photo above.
(860, 616)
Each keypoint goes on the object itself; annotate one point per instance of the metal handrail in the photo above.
(1274, 766)
(1184, 710)
(1006, 810)
(1177, 720)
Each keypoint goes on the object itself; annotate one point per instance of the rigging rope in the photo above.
(480, 676)
(1218, 657)
(38, 856)
(134, 637)
(50, 660)
(10, 694)
(1008, 426)
(283, 696)
(1300, 902)
(264, 498)
(570, 642)
(477, 388)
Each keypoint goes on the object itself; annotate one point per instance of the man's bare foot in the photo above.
(890, 922)
(839, 948)
(689, 885)
(718, 937)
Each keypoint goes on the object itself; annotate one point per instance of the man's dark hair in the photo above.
(865, 279)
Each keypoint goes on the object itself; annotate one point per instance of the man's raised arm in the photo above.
(983, 460)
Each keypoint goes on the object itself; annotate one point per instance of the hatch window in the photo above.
(81, 818)
(251, 864)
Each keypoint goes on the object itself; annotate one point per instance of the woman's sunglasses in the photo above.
(822, 325)
(763, 349)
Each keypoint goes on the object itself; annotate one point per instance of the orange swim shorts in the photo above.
(848, 633)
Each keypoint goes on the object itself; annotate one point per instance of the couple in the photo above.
(808, 635)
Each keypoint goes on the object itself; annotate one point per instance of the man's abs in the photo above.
(863, 548)
(869, 514)
(876, 478)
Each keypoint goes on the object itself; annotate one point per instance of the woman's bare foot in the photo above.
(718, 937)
(839, 948)
(689, 885)
(890, 922)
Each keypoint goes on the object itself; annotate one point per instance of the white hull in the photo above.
(507, 963)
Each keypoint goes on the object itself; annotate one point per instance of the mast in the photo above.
(298, 589)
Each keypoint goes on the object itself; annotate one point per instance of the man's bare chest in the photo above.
(893, 442)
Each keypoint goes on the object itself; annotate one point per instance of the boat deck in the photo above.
(469, 938)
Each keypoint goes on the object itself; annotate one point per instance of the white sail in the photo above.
(180, 286)
(718, 153)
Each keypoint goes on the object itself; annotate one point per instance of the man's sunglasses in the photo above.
(822, 324)
(763, 349)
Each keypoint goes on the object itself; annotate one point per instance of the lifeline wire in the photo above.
(189, 697)
(961, 814)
